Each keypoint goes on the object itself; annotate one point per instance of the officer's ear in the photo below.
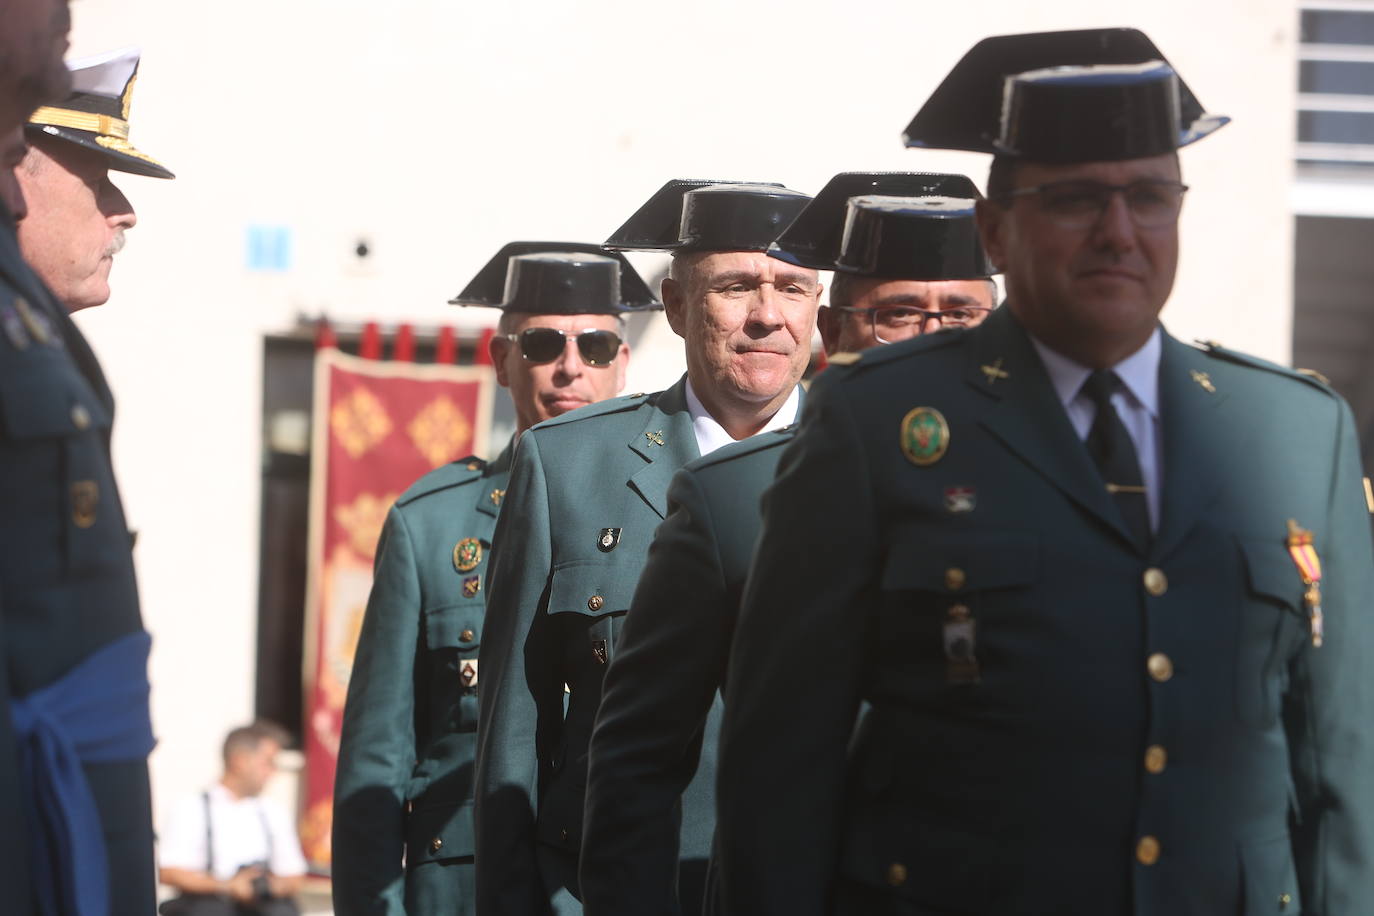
(828, 323)
(674, 292)
(992, 220)
(498, 348)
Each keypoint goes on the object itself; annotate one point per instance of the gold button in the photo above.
(1284, 900)
(595, 603)
(896, 874)
(1147, 850)
(436, 844)
(474, 465)
(1156, 758)
(466, 636)
(1156, 583)
(81, 417)
(1161, 669)
(954, 578)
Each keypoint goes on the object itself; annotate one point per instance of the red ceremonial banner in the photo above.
(377, 426)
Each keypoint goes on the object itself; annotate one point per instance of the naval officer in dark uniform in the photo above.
(586, 491)
(404, 784)
(888, 253)
(75, 819)
(1107, 595)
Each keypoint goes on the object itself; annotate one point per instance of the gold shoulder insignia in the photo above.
(843, 359)
(1313, 373)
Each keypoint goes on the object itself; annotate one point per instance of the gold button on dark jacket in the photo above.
(1156, 583)
(896, 874)
(1147, 850)
(467, 636)
(955, 578)
(1160, 667)
(1156, 759)
(436, 844)
(81, 417)
(596, 603)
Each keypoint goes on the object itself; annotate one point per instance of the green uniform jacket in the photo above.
(1152, 734)
(404, 783)
(587, 491)
(659, 706)
(67, 585)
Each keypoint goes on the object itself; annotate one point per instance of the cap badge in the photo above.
(995, 371)
(471, 586)
(1310, 570)
(924, 436)
(467, 553)
(608, 539)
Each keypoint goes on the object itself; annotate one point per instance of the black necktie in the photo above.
(1114, 454)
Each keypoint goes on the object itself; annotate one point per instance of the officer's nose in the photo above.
(1115, 229)
(116, 207)
(569, 364)
(765, 314)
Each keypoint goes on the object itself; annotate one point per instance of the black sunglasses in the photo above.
(544, 345)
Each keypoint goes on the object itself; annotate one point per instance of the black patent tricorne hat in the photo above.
(813, 239)
(912, 238)
(559, 278)
(1075, 96)
(694, 215)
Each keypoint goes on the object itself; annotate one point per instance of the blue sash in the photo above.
(97, 713)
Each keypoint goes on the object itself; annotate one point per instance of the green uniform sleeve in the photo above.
(795, 672)
(377, 746)
(1331, 702)
(519, 679)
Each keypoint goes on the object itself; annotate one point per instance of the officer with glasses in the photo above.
(403, 837)
(586, 492)
(656, 727)
(1105, 595)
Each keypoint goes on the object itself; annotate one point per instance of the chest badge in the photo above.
(468, 672)
(14, 328)
(1204, 380)
(467, 553)
(995, 371)
(496, 496)
(1309, 565)
(471, 586)
(655, 438)
(608, 539)
(960, 499)
(924, 436)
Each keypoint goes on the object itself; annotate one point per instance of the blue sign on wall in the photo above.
(269, 248)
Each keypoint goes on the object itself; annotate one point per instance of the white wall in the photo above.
(439, 129)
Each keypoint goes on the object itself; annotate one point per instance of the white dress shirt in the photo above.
(1136, 402)
(711, 435)
(243, 831)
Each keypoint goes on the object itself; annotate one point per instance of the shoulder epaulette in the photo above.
(1309, 376)
(599, 409)
(453, 474)
(762, 442)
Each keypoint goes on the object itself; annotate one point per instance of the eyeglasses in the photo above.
(893, 323)
(1152, 203)
(544, 345)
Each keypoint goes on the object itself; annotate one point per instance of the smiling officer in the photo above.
(586, 492)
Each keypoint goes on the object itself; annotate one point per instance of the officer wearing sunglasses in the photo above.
(652, 730)
(404, 784)
(586, 492)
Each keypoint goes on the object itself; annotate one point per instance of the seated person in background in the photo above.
(228, 850)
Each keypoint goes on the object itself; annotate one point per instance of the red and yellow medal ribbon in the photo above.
(1310, 569)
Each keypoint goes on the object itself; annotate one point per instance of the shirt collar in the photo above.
(711, 435)
(1139, 372)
